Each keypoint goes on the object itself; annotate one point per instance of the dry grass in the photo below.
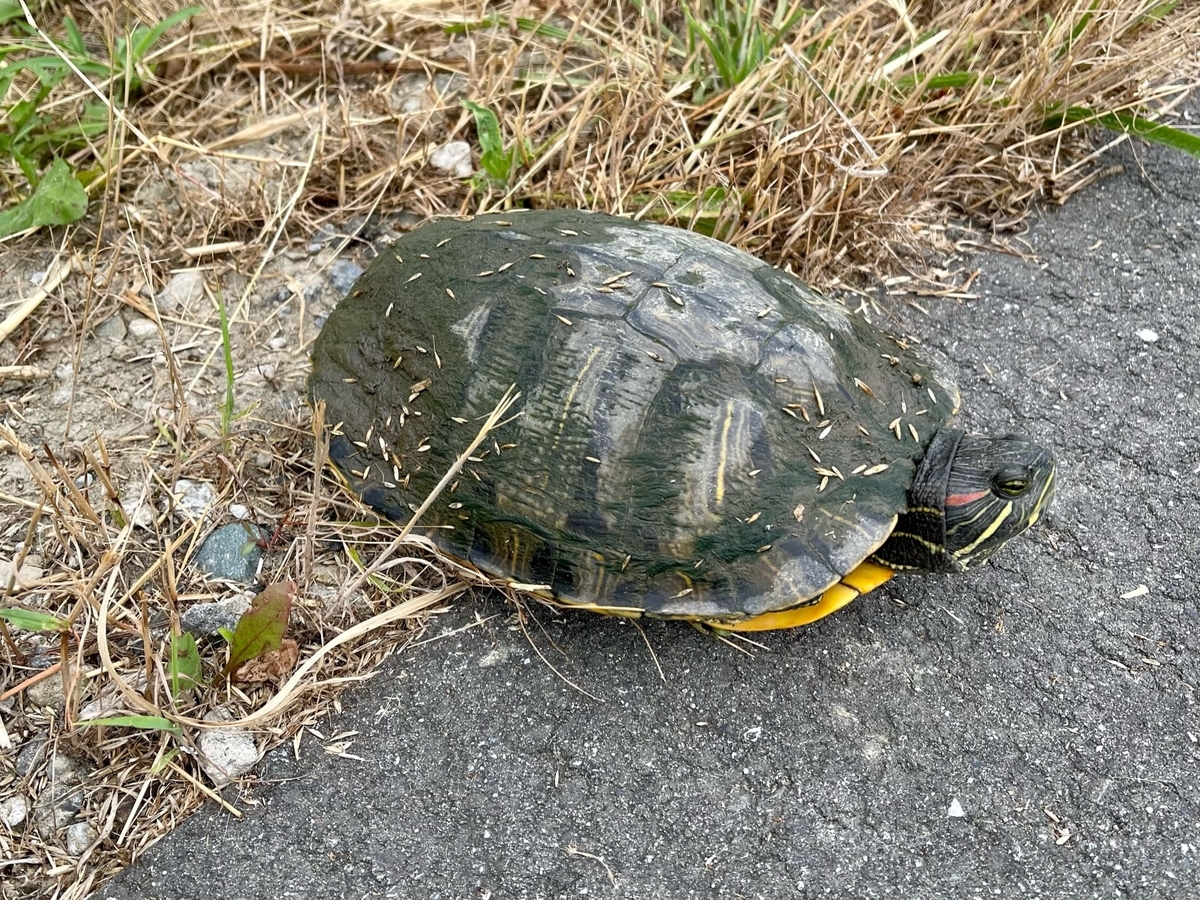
(844, 156)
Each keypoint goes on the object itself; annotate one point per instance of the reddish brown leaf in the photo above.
(261, 627)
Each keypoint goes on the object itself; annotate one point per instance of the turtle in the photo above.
(700, 434)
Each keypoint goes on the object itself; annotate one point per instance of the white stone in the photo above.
(194, 498)
(955, 811)
(1149, 335)
(143, 513)
(142, 329)
(182, 290)
(25, 575)
(454, 158)
(80, 836)
(495, 656)
(229, 753)
(13, 811)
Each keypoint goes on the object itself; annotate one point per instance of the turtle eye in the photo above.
(1012, 481)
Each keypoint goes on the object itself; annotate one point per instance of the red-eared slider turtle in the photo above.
(701, 435)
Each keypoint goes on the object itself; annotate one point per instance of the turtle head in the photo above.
(970, 496)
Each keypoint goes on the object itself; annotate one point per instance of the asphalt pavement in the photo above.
(1030, 729)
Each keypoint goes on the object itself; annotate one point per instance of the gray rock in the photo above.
(55, 808)
(342, 275)
(48, 692)
(231, 553)
(62, 795)
(30, 756)
(80, 836)
(182, 290)
(210, 618)
(111, 330)
(312, 291)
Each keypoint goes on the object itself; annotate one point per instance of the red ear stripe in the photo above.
(965, 499)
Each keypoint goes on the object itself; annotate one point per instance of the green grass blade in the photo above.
(1078, 29)
(948, 81)
(32, 620)
(1128, 123)
(142, 723)
(145, 38)
(227, 350)
(533, 26)
(10, 10)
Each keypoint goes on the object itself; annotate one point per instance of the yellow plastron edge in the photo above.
(866, 577)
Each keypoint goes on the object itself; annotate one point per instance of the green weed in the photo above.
(499, 164)
(34, 130)
(735, 38)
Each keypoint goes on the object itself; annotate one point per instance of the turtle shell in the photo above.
(701, 435)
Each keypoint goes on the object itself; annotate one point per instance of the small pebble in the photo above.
(955, 811)
(194, 498)
(141, 329)
(62, 797)
(112, 329)
(1148, 335)
(228, 753)
(30, 756)
(209, 618)
(47, 693)
(453, 158)
(80, 836)
(324, 235)
(494, 657)
(25, 575)
(342, 275)
(55, 808)
(312, 291)
(13, 811)
(182, 290)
